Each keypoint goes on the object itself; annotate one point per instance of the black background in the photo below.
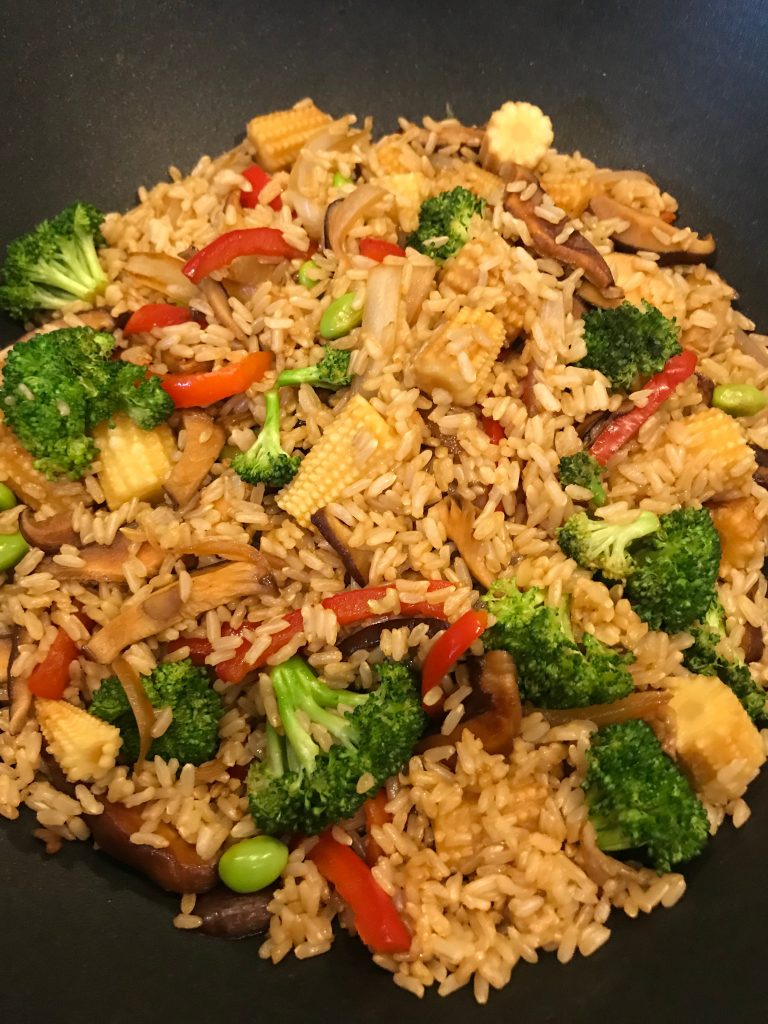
(96, 98)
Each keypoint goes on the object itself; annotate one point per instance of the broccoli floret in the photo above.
(266, 462)
(298, 787)
(596, 544)
(627, 344)
(331, 372)
(675, 570)
(554, 671)
(638, 799)
(193, 735)
(703, 659)
(445, 216)
(54, 264)
(58, 386)
(583, 470)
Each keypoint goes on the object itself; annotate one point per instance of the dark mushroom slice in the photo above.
(48, 534)
(458, 518)
(369, 637)
(608, 298)
(356, 561)
(574, 251)
(650, 706)
(754, 644)
(494, 710)
(649, 233)
(210, 588)
(233, 915)
(342, 215)
(203, 444)
(706, 388)
(103, 563)
(218, 301)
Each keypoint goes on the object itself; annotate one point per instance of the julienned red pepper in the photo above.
(349, 607)
(157, 314)
(258, 178)
(493, 429)
(266, 242)
(51, 677)
(447, 649)
(377, 249)
(378, 923)
(194, 390)
(375, 810)
(663, 384)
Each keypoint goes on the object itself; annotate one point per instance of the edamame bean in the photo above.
(340, 180)
(739, 399)
(252, 864)
(13, 547)
(340, 317)
(7, 498)
(306, 270)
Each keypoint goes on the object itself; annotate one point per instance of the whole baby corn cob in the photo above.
(358, 444)
(279, 137)
(84, 747)
(458, 358)
(135, 463)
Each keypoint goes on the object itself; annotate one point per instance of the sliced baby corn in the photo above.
(715, 441)
(135, 463)
(459, 356)
(519, 133)
(358, 444)
(716, 742)
(409, 190)
(17, 471)
(84, 747)
(278, 138)
(483, 183)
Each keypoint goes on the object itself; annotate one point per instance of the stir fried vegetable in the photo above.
(583, 470)
(444, 222)
(268, 243)
(190, 390)
(331, 372)
(627, 344)
(266, 461)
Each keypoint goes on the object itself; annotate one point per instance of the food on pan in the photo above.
(382, 533)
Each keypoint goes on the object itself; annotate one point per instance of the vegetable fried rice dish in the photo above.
(382, 529)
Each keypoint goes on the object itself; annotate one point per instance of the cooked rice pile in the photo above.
(485, 857)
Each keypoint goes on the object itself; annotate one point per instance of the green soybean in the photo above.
(13, 547)
(739, 399)
(340, 179)
(306, 270)
(252, 864)
(340, 317)
(7, 498)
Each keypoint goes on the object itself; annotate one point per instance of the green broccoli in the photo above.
(331, 372)
(58, 386)
(54, 264)
(637, 797)
(298, 787)
(675, 570)
(445, 216)
(193, 735)
(703, 659)
(627, 344)
(583, 470)
(554, 671)
(266, 462)
(601, 545)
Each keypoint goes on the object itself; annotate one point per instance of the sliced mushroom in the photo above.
(499, 721)
(369, 637)
(103, 563)
(650, 706)
(203, 444)
(706, 388)
(233, 915)
(608, 298)
(459, 521)
(356, 561)
(30, 486)
(8, 643)
(48, 534)
(754, 645)
(342, 215)
(210, 588)
(217, 299)
(575, 251)
(450, 132)
(652, 234)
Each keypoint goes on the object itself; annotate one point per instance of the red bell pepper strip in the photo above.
(352, 605)
(493, 429)
(378, 248)
(266, 242)
(375, 810)
(51, 677)
(190, 390)
(258, 178)
(660, 387)
(447, 649)
(157, 314)
(378, 923)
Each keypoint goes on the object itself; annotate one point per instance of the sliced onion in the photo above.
(162, 273)
(220, 547)
(143, 712)
(300, 182)
(755, 345)
(217, 299)
(382, 301)
(422, 276)
(607, 176)
(343, 216)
